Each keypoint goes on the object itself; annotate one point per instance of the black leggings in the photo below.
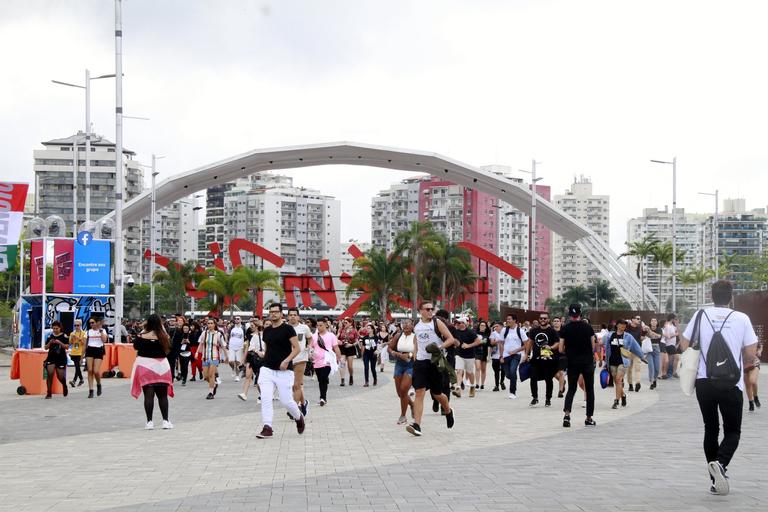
(322, 380)
(184, 365)
(369, 359)
(78, 370)
(161, 390)
(498, 371)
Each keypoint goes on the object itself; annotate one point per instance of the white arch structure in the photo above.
(349, 153)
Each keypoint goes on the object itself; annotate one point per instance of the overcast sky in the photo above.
(586, 87)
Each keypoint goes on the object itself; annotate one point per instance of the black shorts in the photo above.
(426, 375)
(481, 352)
(348, 351)
(253, 360)
(58, 362)
(671, 350)
(94, 352)
(562, 364)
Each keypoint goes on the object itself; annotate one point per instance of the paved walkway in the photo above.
(80, 454)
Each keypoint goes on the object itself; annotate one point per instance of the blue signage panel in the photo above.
(91, 267)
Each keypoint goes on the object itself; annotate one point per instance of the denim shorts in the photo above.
(211, 362)
(403, 367)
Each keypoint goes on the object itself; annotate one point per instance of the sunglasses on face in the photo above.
(428, 309)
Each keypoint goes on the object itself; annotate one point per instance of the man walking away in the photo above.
(726, 338)
(282, 346)
(577, 341)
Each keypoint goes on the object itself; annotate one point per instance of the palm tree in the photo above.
(177, 279)
(224, 287)
(255, 280)
(412, 245)
(695, 277)
(727, 263)
(453, 266)
(380, 275)
(641, 249)
(601, 291)
(576, 295)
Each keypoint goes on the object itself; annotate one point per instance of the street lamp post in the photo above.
(715, 233)
(673, 163)
(87, 88)
(532, 242)
(119, 178)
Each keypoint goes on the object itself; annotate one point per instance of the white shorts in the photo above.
(234, 354)
(466, 364)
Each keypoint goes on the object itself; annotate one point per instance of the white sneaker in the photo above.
(237, 378)
(512, 396)
(149, 426)
(218, 380)
(243, 397)
(167, 425)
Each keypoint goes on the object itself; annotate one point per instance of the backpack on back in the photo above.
(722, 369)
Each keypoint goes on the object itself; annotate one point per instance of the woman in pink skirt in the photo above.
(151, 371)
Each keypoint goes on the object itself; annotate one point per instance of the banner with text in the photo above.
(12, 199)
(36, 267)
(63, 256)
(91, 266)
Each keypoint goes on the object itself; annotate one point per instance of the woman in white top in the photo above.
(252, 360)
(94, 354)
(401, 348)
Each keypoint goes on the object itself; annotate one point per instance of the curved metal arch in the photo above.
(351, 153)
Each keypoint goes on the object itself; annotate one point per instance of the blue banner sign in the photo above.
(91, 267)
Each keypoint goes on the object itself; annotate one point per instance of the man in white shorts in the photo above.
(467, 339)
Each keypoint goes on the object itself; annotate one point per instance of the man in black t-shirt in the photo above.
(465, 354)
(577, 341)
(281, 346)
(542, 344)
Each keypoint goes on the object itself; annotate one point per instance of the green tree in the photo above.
(695, 277)
(177, 279)
(661, 254)
(382, 276)
(641, 249)
(453, 266)
(601, 292)
(224, 287)
(413, 245)
(255, 280)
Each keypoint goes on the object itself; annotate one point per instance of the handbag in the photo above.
(647, 346)
(688, 367)
(525, 370)
(605, 377)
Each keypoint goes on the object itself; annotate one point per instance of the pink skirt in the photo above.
(149, 370)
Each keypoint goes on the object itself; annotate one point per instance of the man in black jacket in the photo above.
(543, 341)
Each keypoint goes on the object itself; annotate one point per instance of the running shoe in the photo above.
(237, 378)
(719, 480)
(402, 420)
(589, 422)
(535, 401)
(243, 397)
(265, 433)
(435, 406)
(414, 429)
(209, 397)
(449, 421)
(503, 387)
(548, 403)
(149, 426)
(496, 388)
(322, 402)
(566, 421)
(167, 425)
(300, 425)
(512, 396)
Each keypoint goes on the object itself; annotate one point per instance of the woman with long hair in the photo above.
(185, 352)
(253, 359)
(152, 371)
(94, 354)
(56, 361)
(751, 374)
(481, 354)
(77, 339)
(401, 348)
(654, 357)
(211, 350)
(383, 338)
(325, 346)
(348, 339)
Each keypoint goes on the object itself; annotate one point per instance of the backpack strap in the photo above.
(518, 333)
(506, 331)
(722, 326)
(436, 328)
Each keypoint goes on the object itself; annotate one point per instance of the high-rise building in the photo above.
(393, 210)
(689, 242)
(54, 166)
(346, 265)
(571, 266)
(176, 233)
(303, 226)
(743, 235)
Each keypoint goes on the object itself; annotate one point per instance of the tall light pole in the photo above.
(87, 88)
(532, 242)
(673, 163)
(153, 235)
(715, 233)
(119, 178)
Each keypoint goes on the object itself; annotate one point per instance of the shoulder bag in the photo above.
(688, 367)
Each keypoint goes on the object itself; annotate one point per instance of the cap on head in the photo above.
(462, 320)
(574, 310)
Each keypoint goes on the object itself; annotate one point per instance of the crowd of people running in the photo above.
(444, 355)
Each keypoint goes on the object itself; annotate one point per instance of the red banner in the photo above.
(63, 251)
(36, 267)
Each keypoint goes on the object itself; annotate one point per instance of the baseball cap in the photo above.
(462, 320)
(574, 310)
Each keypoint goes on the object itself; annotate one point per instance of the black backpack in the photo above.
(723, 371)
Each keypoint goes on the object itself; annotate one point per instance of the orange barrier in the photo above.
(125, 355)
(27, 367)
